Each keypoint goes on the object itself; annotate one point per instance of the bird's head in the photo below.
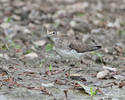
(51, 33)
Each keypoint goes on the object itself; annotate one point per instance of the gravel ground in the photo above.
(30, 67)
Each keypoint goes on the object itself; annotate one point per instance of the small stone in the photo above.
(40, 43)
(102, 74)
(80, 26)
(4, 56)
(16, 17)
(47, 84)
(70, 32)
(5, 25)
(25, 30)
(31, 55)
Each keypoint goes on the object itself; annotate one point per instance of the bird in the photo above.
(68, 47)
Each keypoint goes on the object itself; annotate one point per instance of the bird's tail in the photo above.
(93, 48)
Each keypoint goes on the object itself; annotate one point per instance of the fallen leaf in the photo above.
(122, 84)
(87, 88)
(109, 68)
(60, 82)
(119, 77)
(75, 76)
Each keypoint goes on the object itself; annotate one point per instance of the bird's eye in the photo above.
(53, 32)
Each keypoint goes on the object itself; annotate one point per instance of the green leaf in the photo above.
(28, 51)
(4, 47)
(122, 32)
(18, 46)
(99, 54)
(50, 67)
(14, 45)
(9, 19)
(93, 53)
(92, 92)
(48, 47)
(80, 14)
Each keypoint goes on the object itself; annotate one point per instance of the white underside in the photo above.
(69, 54)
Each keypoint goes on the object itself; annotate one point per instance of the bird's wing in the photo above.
(80, 48)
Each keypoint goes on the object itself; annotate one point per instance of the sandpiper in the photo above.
(69, 48)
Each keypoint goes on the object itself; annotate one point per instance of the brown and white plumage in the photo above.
(69, 47)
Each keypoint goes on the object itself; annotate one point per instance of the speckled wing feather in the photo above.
(80, 48)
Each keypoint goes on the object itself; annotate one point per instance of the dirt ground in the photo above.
(31, 69)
